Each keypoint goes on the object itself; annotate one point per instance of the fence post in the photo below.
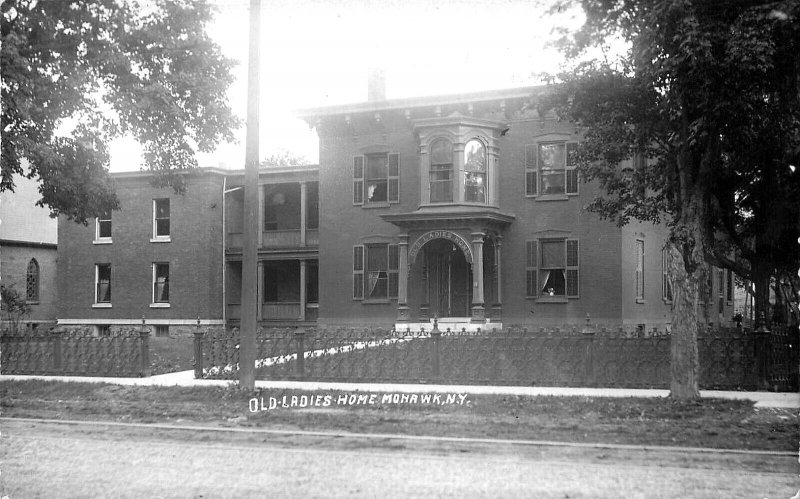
(588, 333)
(144, 336)
(763, 357)
(435, 335)
(57, 350)
(198, 351)
(300, 334)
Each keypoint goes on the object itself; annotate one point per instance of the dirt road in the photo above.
(84, 460)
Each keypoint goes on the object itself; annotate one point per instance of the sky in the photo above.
(319, 53)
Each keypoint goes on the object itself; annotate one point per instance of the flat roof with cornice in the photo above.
(412, 102)
(203, 170)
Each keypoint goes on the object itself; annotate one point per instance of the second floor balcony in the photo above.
(288, 216)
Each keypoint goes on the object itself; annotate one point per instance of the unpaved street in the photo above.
(57, 460)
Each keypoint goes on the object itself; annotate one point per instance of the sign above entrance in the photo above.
(439, 234)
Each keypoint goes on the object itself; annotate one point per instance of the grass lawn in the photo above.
(707, 423)
(169, 354)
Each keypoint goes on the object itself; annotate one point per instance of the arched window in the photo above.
(441, 172)
(32, 281)
(475, 172)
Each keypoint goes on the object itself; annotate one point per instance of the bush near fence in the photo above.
(76, 352)
(730, 358)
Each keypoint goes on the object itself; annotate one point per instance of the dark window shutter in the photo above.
(531, 262)
(572, 172)
(394, 178)
(394, 265)
(573, 287)
(572, 181)
(358, 272)
(530, 170)
(572, 154)
(358, 180)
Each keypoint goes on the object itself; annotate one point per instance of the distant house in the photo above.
(28, 251)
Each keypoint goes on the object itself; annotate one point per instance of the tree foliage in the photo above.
(77, 74)
(13, 307)
(708, 92)
(284, 158)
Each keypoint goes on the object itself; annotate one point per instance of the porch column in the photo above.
(402, 281)
(260, 290)
(303, 290)
(260, 218)
(303, 201)
(478, 312)
(497, 306)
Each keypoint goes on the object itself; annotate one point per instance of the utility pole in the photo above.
(247, 344)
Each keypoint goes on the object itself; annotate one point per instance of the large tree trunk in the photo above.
(761, 278)
(684, 364)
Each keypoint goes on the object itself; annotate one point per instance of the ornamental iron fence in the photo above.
(730, 358)
(76, 352)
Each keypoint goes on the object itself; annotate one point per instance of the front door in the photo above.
(449, 278)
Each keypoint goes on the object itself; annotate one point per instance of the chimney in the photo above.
(376, 85)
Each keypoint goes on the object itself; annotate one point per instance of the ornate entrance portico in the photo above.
(449, 265)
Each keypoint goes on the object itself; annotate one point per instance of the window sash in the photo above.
(161, 217)
(639, 270)
(32, 281)
(102, 283)
(160, 283)
(551, 168)
(552, 263)
(103, 226)
(376, 179)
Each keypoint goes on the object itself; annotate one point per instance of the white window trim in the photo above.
(99, 304)
(639, 270)
(155, 237)
(536, 170)
(97, 238)
(153, 302)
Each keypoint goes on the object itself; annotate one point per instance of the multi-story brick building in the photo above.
(466, 208)
(164, 256)
(469, 208)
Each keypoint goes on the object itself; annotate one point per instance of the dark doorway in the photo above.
(449, 279)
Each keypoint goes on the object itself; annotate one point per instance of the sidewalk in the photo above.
(186, 378)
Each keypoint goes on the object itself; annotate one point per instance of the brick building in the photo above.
(28, 242)
(466, 208)
(165, 256)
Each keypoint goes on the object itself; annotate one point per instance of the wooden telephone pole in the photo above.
(247, 344)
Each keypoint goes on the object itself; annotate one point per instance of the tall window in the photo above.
(666, 283)
(161, 228)
(639, 270)
(160, 283)
(103, 229)
(475, 172)
(721, 290)
(441, 172)
(102, 283)
(550, 168)
(376, 179)
(552, 268)
(375, 271)
(32, 281)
